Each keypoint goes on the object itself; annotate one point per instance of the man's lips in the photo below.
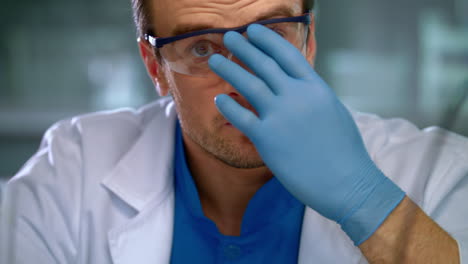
(241, 102)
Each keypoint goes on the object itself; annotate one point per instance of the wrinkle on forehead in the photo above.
(219, 13)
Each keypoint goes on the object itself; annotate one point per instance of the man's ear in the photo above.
(311, 42)
(153, 67)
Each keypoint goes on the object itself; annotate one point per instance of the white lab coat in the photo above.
(100, 190)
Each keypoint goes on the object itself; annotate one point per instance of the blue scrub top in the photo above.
(270, 230)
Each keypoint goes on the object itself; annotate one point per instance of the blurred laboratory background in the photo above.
(60, 58)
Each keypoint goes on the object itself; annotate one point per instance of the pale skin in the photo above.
(408, 235)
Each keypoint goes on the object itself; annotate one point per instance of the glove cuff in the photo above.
(369, 216)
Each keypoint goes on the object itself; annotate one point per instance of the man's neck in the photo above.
(224, 191)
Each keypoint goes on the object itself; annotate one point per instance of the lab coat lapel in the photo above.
(143, 179)
(147, 239)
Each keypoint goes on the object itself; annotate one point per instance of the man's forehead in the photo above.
(172, 17)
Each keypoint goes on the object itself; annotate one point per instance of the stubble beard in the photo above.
(241, 155)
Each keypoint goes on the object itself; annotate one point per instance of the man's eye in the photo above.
(278, 29)
(202, 49)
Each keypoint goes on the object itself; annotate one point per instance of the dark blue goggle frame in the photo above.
(158, 42)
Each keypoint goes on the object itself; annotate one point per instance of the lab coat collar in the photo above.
(147, 238)
(143, 179)
(137, 179)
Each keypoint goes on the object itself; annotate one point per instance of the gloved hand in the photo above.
(303, 133)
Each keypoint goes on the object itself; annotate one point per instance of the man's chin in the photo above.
(240, 155)
(229, 145)
(236, 150)
(243, 163)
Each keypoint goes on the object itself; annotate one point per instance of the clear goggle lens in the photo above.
(190, 55)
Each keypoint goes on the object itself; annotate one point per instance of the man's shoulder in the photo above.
(427, 163)
(99, 127)
(94, 140)
(381, 134)
(122, 118)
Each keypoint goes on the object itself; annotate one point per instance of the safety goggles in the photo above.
(189, 53)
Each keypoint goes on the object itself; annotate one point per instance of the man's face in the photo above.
(194, 96)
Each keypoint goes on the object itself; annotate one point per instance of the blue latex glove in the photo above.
(303, 133)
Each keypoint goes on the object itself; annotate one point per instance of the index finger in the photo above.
(282, 51)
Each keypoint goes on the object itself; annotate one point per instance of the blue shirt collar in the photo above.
(268, 205)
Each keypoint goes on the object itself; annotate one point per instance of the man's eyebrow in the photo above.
(278, 11)
(187, 28)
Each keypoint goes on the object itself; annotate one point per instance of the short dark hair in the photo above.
(142, 18)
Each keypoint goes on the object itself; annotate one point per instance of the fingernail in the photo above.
(218, 99)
